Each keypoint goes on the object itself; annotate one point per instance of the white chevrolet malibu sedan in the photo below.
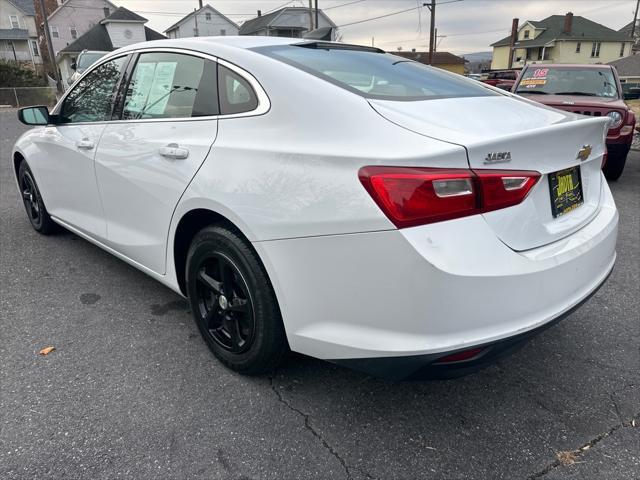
(329, 199)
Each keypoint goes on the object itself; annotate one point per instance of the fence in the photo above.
(26, 96)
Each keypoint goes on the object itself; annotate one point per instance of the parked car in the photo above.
(502, 78)
(85, 59)
(297, 206)
(592, 90)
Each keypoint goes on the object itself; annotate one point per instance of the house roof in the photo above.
(123, 15)
(627, 29)
(27, 6)
(14, 34)
(265, 21)
(98, 37)
(205, 7)
(439, 58)
(71, 4)
(627, 66)
(581, 29)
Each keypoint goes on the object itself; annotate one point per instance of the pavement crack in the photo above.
(580, 451)
(316, 434)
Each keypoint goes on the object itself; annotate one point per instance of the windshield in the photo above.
(375, 75)
(591, 82)
(85, 60)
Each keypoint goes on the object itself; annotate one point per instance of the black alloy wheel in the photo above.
(233, 302)
(224, 303)
(33, 203)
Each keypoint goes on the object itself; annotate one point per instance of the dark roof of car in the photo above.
(627, 66)
(581, 29)
(122, 13)
(98, 38)
(14, 34)
(439, 58)
(27, 6)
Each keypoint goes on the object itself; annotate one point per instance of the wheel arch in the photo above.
(18, 158)
(190, 223)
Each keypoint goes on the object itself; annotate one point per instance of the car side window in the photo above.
(171, 85)
(91, 100)
(236, 95)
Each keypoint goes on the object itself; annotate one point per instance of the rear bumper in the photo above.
(414, 295)
(426, 367)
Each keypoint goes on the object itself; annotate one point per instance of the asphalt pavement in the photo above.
(131, 390)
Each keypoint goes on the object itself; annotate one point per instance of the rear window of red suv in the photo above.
(588, 82)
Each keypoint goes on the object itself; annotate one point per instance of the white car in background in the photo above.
(330, 199)
(85, 59)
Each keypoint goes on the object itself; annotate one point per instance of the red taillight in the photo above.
(412, 196)
(461, 356)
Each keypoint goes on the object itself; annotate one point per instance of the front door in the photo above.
(146, 160)
(68, 172)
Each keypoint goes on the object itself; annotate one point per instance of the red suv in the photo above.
(593, 90)
(504, 78)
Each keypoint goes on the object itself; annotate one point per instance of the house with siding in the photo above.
(18, 33)
(627, 29)
(123, 27)
(203, 22)
(288, 22)
(74, 18)
(561, 39)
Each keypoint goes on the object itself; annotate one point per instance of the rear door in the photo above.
(145, 161)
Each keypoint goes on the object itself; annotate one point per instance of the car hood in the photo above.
(576, 100)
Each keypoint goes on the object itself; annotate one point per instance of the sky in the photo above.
(464, 26)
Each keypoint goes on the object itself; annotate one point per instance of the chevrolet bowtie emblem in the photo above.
(584, 152)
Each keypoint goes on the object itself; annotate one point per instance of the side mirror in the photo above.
(34, 115)
(74, 66)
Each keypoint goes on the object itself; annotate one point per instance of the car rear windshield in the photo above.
(589, 82)
(373, 74)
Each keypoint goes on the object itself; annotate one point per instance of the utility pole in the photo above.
(435, 42)
(317, 22)
(52, 59)
(635, 20)
(512, 40)
(432, 9)
(195, 16)
(310, 15)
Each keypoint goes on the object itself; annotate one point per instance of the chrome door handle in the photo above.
(85, 144)
(173, 150)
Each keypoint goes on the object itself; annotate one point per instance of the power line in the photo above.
(393, 13)
(343, 4)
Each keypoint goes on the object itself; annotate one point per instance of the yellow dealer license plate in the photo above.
(565, 187)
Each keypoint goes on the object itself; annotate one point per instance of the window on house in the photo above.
(526, 34)
(74, 32)
(223, 32)
(34, 48)
(54, 32)
(207, 16)
(578, 45)
(595, 49)
(14, 21)
(622, 49)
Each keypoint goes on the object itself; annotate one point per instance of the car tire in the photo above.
(34, 205)
(233, 302)
(615, 165)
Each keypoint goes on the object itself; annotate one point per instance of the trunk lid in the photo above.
(537, 138)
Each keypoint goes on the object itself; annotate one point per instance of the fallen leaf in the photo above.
(566, 458)
(47, 350)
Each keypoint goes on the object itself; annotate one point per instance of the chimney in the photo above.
(200, 3)
(568, 22)
(259, 13)
(106, 12)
